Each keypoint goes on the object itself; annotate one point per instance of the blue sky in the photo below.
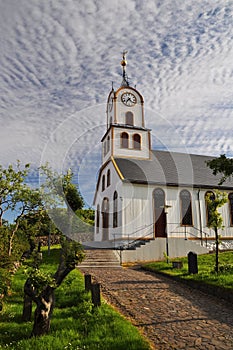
(58, 59)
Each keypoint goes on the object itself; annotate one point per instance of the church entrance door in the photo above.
(105, 219)
(159, 213)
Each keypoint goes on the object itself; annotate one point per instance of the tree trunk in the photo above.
(43, 312)
(45, 299)
(216, 253)
(12, 238)
(27, 308)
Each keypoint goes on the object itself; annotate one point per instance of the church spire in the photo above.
(125, 81)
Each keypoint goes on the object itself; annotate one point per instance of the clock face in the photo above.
(128, 99)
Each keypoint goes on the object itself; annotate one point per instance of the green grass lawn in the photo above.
(75, 324)
(206, 274)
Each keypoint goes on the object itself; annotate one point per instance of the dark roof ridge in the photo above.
(184, 153)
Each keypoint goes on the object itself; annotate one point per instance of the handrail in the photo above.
(145, 227)
(133, 242)
(134, 232)
(191, 233)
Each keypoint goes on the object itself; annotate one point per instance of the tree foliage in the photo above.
(215, 219)
(11, 183)
(58, 189)
(60, 193)
(17, 200)
(87, 215)
(222, 165)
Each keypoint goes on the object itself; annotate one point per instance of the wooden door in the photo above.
(159, 213)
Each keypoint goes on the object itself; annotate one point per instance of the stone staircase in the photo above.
(97, 258)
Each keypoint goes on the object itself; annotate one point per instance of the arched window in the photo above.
(212, 197)
(230, 197)
(108, 178)
(136, 141)
(159, 213)
(186, 208)
(108, 144)
(103, 182)
(115, 209)
(97, 218)
(124, 140)
(129, 118)
(105, 218)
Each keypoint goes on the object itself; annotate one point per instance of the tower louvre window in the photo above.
(129, 118)
(136, 141)
(124, 140)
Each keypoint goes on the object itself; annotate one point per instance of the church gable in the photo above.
(109, 179)
(108, 202)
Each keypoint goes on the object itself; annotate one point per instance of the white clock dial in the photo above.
(128, 99)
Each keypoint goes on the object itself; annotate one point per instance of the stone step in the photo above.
(100, 258)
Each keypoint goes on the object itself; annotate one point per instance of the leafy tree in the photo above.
(222, 165)
(40, 286)
(37, 224)
(215, 219)
(16, 199)
(87, 215)
(28, 202)
(11, 181)
(58, 192)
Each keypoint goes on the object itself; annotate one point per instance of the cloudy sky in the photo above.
(58, 59)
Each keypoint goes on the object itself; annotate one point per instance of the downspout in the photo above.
(200, 218)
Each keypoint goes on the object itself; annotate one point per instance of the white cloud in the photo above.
(58, 58)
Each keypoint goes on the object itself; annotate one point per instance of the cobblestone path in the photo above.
(169, 314)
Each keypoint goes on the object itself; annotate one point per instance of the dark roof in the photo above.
(171, 169)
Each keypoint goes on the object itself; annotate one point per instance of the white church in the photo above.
(144, 195)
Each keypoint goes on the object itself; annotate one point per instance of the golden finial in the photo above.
(124, 62)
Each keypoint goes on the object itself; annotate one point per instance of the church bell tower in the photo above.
(126, 135)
